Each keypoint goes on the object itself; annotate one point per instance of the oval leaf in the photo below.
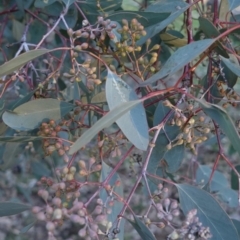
(104, 122)
(11, 208)
(209, 211)
(134, 123)
(218, 181)
(116, 208)
(232, 65)
(224, 121)
(142, 229)
(19, 61)
(179, 59)
(158, 27)
(9, 158)
(30, 115)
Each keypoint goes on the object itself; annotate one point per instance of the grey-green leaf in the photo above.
(232, 66)
(224, 121)
(116, 208)
(30, 115)
(15, 63)
(104, 122)
(19, 138)
(209, 211)
(233, 4)
(166, 6)
(218, 181)
(179, 59)
(158, 27)
(26, 228)
(142, 229)
(134, 123)
(10, 153)
(12, 208)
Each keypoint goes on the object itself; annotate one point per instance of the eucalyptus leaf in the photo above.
(9, 159)
(166, 6)
(26, 228)
(232, 65)
(19, 138)
(116, 208)
(104, 122)
(172, 40)
(30, 115)
(233, 4)
(142, 229)
(237, 225)
(158, 27)
(99, 98)
(209, 212)
(15, 63)
(43, 4)
(234, 178)
(145, 18)
(12, 208)
(134, 123)
(68, 2)
(179, 59)
(218, 181)
(229, 196)
(224, 121)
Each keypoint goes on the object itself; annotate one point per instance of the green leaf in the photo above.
(104, 122)
(237, 225)
(19, 138)
(211, 31)
(30, 115)
(229, 196)
(99, 98)
(43, 3)
(145, 18)
(160, 151)
(39, 169)
(15, 63)
(130, 5)
(218, 181)
(234, 178)
(17, 29)
(208, 28)
(224, 121)
(232, 65)
(26, 228)
(117, 92)
(174, 158)
(224, 15)
(209, 212)
(158, 27)
(21, 101)
(142, 229)
(68, 2)
(71, 18)
(173, 40)
(116, 208)
(10, 154)
(179, 59)
(215, 96)
(23, 4)
(72, 92)
(11, 208)
(233, 4)
(166, 6)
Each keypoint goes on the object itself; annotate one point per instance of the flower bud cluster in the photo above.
(194, 128)
(51, 141)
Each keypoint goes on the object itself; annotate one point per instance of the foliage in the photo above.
(110, 111)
